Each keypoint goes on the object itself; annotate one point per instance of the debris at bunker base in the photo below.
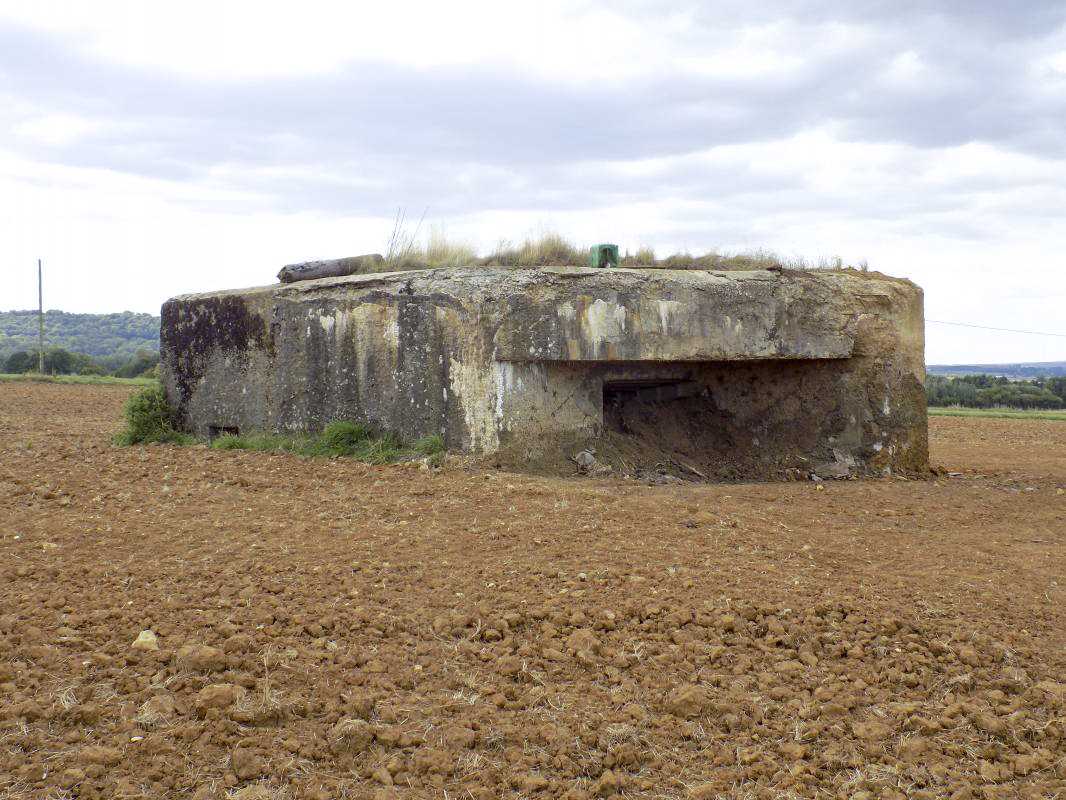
(726, 375)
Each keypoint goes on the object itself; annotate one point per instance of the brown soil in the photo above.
(330, 629)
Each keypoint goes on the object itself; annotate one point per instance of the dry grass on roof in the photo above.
(551, 249)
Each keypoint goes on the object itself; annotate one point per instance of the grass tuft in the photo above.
(428, 445)
(405, 250)
(432, 447)
(439, 252)
(757, 259)
(383, 449)
(341, 439)
(261, 442)
(346, 439)
(230, 441)
(644, 257)
(550, 249)
(402, 244)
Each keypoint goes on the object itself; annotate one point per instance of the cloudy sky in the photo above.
(148, 149)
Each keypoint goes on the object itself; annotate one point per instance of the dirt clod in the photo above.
(102, 755)
(246, 763)
(201, 658)
(217, 695)
(687, 701)
(532, 782)
(351, 736)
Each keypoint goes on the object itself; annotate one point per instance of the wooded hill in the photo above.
(119, 335)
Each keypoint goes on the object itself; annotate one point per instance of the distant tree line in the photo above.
(112, 338)
(995, 391)
(58, 361)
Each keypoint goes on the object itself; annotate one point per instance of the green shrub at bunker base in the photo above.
(148, 419)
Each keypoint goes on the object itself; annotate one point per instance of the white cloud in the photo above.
(1054, 63)
(56, 129)
(255, 39)
(905, 70)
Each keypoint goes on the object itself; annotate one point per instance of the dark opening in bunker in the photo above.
(622, 399)
(214, 431)
(726, 420)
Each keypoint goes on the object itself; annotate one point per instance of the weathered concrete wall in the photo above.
(794, 366)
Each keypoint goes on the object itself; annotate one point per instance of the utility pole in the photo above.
(40, 321)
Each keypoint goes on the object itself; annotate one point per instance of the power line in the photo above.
(990, 328)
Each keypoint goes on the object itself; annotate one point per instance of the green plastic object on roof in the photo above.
(603, 255)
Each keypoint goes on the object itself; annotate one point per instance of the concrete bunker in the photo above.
(727, 375)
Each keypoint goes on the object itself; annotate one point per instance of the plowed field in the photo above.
(326, 629)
